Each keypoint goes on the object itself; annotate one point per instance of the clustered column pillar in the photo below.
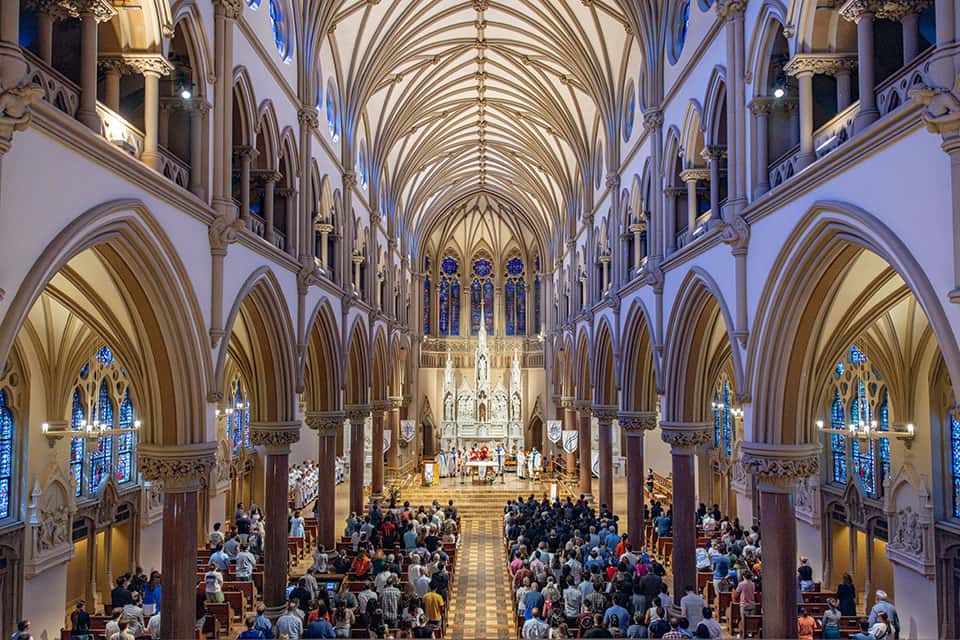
(569, 424)
(761, 108)
(636, 424)
(180, 472)
(327, 424)
(91, 13)
(605, 415)
(151, 67)
(376, 485)
(357, 415)
(276, 438)
(684, 438)
(583, 443)
(777, 469)
(393, 453)
(862, 12)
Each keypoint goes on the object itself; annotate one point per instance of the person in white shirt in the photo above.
(320, 560)
(296, 526)
(153, 627)
(113, 625)
(246, 563)
(290, 623)
(521, 464)
(216, 536)
(213, 584)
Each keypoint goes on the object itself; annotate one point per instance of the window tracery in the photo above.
(448, 297)
(481, 295)
(515, 298)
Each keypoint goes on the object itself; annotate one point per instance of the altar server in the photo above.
(499, 455)
(521, 464)
(536, 464)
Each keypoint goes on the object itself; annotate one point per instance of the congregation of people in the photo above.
(454, 462)
(574, 573)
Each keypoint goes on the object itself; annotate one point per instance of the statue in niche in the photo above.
(909, 535)
(448, 407)
(515, 406)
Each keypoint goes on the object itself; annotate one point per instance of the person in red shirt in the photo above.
(388, 533)
(484, 452)
(361, 565)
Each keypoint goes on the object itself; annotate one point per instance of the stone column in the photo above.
(47, 12)
(357, 261)
(908, 13)
(247, 156)
(761, 108)
(326, 423)
(180, 471)
(108, 556)
(605, 415)
(92, 564)
(393, 453)
(325, 230)
(777, 469)
(713, 154)
(357, 415)
(152, 67)
(690, 177)
(803, 68)
(275, 438)
(636, 424)
(268, 213)
(198, 113)
(569, 424)
(868, 571)
(91, 12)
(844, 77)
(862, 12)
(684, 438)
(586, 478)
(376, 485)
(114, 68)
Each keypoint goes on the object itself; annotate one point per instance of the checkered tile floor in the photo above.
(480, 603)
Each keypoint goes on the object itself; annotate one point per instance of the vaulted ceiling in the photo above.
(520, 100)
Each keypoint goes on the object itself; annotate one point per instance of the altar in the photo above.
(482, 470)
(481, 413)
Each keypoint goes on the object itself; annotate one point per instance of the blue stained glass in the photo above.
(476, 292)
(246, 426)
(856, 355)
(515, 266)
(536, 305)
(716, 420)
(482, 268)
(77, 447)
(101, 460)
(332, 116)
(449, 266)
(443, 297)
(727, 420)
(84, 370)
(509, 301)
(884, 425)
(488, 305)
(279, 37)
(863, 462)
(105, 356)
(839, 369)
(521, 308)
(6, 454)
(125, 441)
(838, 443)
(455, 308)
(955, 462)
(426, 306)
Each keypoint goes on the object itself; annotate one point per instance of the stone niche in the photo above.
(909, 511)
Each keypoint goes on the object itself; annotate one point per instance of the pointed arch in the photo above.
(639, 366)
(714, 106)
(187, 16)
(260, 326)
(606, 365)
(382, 371)
(357, 382)
(321, 371)
(583, 389)
(268, 136)
(245, 106)
(700, 321)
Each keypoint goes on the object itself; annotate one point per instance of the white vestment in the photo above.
(521, 465)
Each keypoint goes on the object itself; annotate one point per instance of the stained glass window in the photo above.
(838, 443)
(238, 424)
(514, 299)
(883, 424)
(481, 295)
(448, 297)
(105, 356)
(426, 306)
(723, 418)
(955, 462)
(6, 454)
(78, 420)
(125, 441)
(279, 28)
(333, 123)
(102, 457)
(536, 304)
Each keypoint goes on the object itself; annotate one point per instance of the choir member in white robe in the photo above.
(521, 464)
(442, 463)
(499, 455)
(536, 464)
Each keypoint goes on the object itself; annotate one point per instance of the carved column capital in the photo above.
(605, 413)
(685, 437)
(730, 9)
(761, 105)
(223, 233)
(147, 63)
(276, 437)
(583, 407)
(713, 152)
(941, 112)
(828, 64)
(856, 10)
(177, 469)
(380, 407)
(357, 413)
(778, 467)
(635, 423)
(349, 179)
(652, 119)
(694, 174)
(326, 423)
(612, 181)
(308, 116)
(102, 10)
(736, 233)
(231, 9)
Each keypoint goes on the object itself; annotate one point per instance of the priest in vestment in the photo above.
(521, 464)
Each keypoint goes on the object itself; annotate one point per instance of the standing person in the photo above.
(152, 594)
(119, 595)
(691, 606)
(708, 627)
(246, 564)
(535, 628)
(251, 632)
(806, 625)
(153, 627)
(831, 620)
(80, 622)
(296, 526)
(521, 464)
(289, 623)
(847, 596)
(213, 584)
(890, 613)
(433, 608)
(805, 575)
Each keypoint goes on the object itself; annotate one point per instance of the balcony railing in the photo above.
(175, 169)
(58, 90)
(784, 167)
(894, 92)
(835, 132)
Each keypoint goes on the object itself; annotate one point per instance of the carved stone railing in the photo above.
(58, 90)
(119, 132)
(279, 240)
(836, 131)
(893, 92)
(175, 169)
(257, 225)
(784, 167)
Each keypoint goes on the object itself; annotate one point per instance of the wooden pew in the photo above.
(211, 627)
(752, 625)
(237, 602)
(222, 612)
(244, 587)
(724, 599)
(703, 578)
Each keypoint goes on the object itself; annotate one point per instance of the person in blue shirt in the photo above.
(864, 633)
(721, 567)
(622, 615)
(664, 524)
(252, 633)
(221, 559)
(262, 623)
(612, 539)
(320, 628)
(532, 600)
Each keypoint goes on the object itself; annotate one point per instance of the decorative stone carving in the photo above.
(325, 422)
(761, 104)
(735, 233)
(102, 10)
(612, 181)
(695, 174)
(308, 117)
(652, 275)
(828, 64)
(636, 423)
(178, 469)
(941, 112)
(730, 9)
(684, 437)
(50, 520)
(807, 499)
(231, 9)
(910, 520)
(605, 413)
(151, 504)
(275, 436)
(148, 63)
(778, 467)
(223, 233)
(107, 504)
(652, 119)
(349, 180)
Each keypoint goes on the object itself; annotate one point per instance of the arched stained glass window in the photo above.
(238, 423)
(426, 306)
(838, 443)
(481, 295)
(101, 460)
(860, 403)
(955, 461)
(78, 422)
(279, 28)
(6, 454)
(125, 441)
(515, 299)
(536, 298)
(333, 119)
(723, 418)
(448, 297)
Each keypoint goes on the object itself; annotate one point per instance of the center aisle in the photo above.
(480, 604)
